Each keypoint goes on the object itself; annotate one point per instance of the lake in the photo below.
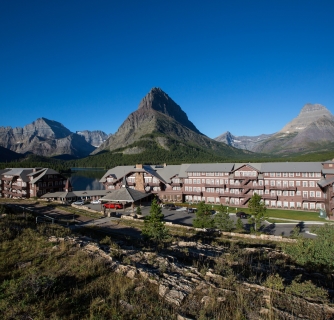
(86, 179)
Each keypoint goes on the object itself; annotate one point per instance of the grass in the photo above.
(278, 213)
(44, 280)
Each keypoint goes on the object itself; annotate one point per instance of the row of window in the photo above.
(293, 174)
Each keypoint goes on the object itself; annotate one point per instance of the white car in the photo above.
(95, 202)
(79, 202)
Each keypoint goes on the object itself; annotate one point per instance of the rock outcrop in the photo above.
(45, 138)
(94, 138)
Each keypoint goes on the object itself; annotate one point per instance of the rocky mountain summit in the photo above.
(44, 137)
(242, 142)
(159, 115)
(312, 129)
(309, 114)
(95, 138)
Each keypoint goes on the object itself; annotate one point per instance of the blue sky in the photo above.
(243, 66)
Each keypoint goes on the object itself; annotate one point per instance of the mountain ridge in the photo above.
(158, 113)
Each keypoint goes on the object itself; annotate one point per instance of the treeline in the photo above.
(151, 152)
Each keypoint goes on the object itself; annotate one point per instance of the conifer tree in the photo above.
(203, 217)
(222, 219)
(154, 226)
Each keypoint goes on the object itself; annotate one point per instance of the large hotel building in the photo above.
(287, 185)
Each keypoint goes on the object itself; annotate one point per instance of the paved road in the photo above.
(180, 216)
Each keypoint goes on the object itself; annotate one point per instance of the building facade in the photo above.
(286, 185)
(22, 183)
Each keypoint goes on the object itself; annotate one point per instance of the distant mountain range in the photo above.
(45, 138)
(160, 127)
(312, 129)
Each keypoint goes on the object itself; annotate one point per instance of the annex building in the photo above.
(286, 185)
(22, 183)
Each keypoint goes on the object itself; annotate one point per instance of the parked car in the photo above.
(95, 202)
(170, 206)
(79, 202)
(192, 210)
(243, 215)
(113, 206)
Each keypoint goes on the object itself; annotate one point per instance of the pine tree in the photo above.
(222, 219)
(154, 226)
(203, 217)
(257, 209)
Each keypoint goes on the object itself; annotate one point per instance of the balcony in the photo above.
(269, 197)
(176, 184)
(212, 185)
(152, 184)
(194, 193)
(131, 183)
(317, 199)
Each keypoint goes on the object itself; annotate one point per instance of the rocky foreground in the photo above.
(191, 275)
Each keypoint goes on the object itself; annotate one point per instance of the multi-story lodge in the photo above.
(288, 185)
(30, 182)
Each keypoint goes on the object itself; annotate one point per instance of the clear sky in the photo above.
(243, 66)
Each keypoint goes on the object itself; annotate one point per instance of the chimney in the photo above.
(139, 166)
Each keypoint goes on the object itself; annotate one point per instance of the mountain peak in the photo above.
(159, 101)
(308, 114)
(310, 107)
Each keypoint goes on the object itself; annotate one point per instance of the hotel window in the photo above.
(285, 174)
(217, 190)
(279, 192)
(221, 181)
(260, 192)
(312, 205)
(272, 183)
(305, 194)
(291, 183)
(272, 174)
(299, 205)
(186, 189)
(198, 181)
(311, 183)
(318, 194)
(199, 189)
(278, 183)
(285, 204)
(291, 175)
(278, 174)
(318, 205)
(217, 182)
(285, 193)
(291, 193)
(318, 174)
(226, 181)
(272, 193)
(292, 204)
(297, 183)
(237, 174)
(312, 194)
(305, 184)
(260, 182)
(266, 192)
(311, 174)
(190, 188)
(279, 203)
(285, 184)
(305, 205)
(297, 174)
(266, 202)
(298, 193)
(304, 175)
